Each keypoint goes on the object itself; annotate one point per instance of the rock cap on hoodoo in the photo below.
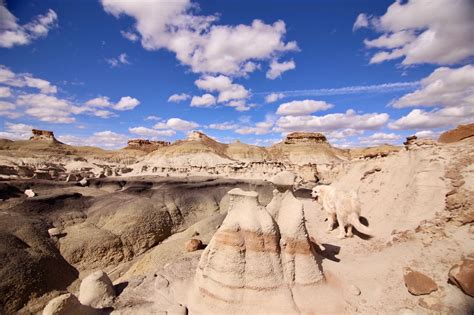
(285, 178)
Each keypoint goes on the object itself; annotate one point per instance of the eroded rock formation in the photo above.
(305, 137)
(146, 145)
(43, 135)
(459, 133)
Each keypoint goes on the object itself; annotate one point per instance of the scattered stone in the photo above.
(354, 290)
(101, 175)
(193, 245)
(54, 232)
(431, 303)
(161, 282)
(30, 193)
(418, 283)
(84, 182)
(372, 171)
(66, 304)
(285, 179)
(96, 290)
(462, 275)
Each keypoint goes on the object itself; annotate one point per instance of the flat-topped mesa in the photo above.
(43, 135)
(305, 137)
(146, 145)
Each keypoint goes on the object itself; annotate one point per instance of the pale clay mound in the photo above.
(418, 202)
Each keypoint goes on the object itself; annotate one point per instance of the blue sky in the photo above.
(362, 72)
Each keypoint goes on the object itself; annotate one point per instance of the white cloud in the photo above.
(423, 31)
(21, 80)
(277, 68)
(12, 34)
(379, 138)
(260, 128)
(427, 134)
(105, 139)
(178, 97)
(349, 119)
(7, 109)
(177, 124)
(240, 105)
(122, 59)
(227, 90)
(301, 108)
(5, 92)
(48, 108)
(445, 117)
(227, 125)
(126, 103)
(206, 100)
(443, 87)
(131, 36)
(152, 117)
(343, 133)
(148, 132)
(273, 97)
(197, 42)
(101, 101)
(362, 21)
(16, 131)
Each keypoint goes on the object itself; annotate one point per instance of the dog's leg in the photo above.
(342, 231)
(349, 231)
(331, 221)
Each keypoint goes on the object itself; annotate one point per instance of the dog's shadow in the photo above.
(363, 221)
(330, 251)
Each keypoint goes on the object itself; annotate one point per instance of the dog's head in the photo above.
(316, 192)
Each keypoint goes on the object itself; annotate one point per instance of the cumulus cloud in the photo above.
(152, 117)
(21, 80)
(106, 139)
(125, 103)
(48, 108)
(422, 31)
(131, 36)
(122, 59)
(227, 125)
(177, 124)
(5, 92)
(301, 108)
(449, 91)
(443, 87)
(273, 97)
(227, 90)
(380, 138)
(148, 132)
(361, 21)
(197, 41)
(240, 105)
(16, 131)
(277, 68)
(206, 100)
(349, 119)
(12, 34)
(427, 134)
(178, 97)
(438, 118)
(260, 128)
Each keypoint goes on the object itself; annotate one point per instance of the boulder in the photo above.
(193, 245)
(54, 232)
(462, 275)
(66, 304)
(97, 290)
(30, 193)
(84, 182)
(418, 283)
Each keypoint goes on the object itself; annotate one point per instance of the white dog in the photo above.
(343, 205)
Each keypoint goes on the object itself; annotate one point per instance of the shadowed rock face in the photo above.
(146, 145)
(252, 264)
(43, 135)
(459, 133)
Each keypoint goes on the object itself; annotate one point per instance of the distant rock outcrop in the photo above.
(459, 133)
(305, 137)
(44, 135)
(146, 145)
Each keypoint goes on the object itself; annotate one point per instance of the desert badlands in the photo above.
(201, 227)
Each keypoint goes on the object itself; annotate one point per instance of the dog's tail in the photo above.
(354, 220)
